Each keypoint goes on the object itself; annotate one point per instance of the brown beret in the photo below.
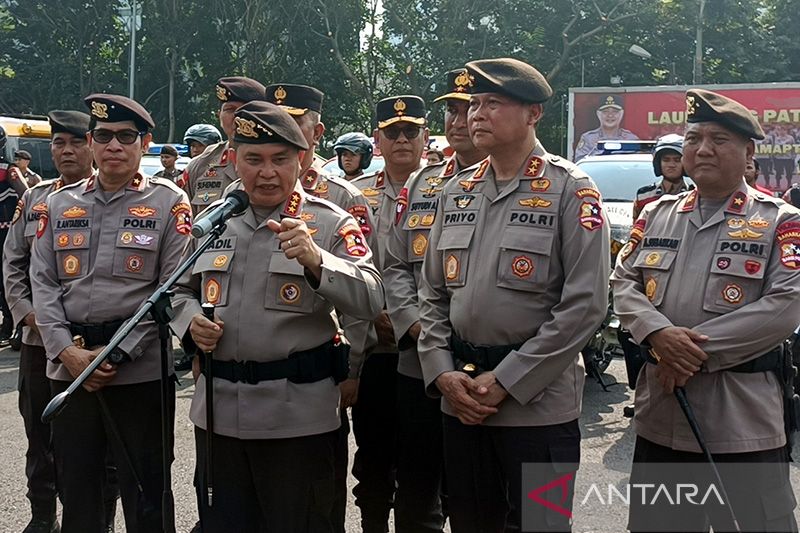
(168, 149)
(459, 85)
(239, 89)
(707, 106)
(295, 99)
(116, 108)
(403, 108)
(73, 122)
(22, 154)
(260, 122)
(510, 77)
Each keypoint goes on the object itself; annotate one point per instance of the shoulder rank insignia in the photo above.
(534, 166)
(293, 203)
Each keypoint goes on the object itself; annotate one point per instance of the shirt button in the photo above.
(330, 278)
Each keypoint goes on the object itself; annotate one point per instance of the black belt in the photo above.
(308, 366)
(96, 334)
(482, 358)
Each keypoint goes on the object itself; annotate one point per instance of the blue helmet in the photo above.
(205, 134)
(355, 142)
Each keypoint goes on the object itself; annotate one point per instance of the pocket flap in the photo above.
(740, 266)
(72, 240)
(456, 237)
(142, 240)
(280, 264)
(528, 240)
(214, 261)
(655, 259)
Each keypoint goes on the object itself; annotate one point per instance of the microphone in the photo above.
(233, 204)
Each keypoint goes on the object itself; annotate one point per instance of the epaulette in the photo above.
(365, 176)
(72, 185)
(646, 188)
(344, 184)
(166, 182)
(761, 197)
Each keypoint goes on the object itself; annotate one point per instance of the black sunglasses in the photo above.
(410, 132)
(103, 136)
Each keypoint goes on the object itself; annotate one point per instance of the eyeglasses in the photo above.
(393, 132)
(123, 136)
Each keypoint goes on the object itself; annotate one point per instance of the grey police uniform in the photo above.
(89, 245)
(588, 141)
(207, 175)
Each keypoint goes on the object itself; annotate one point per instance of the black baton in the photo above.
(688, 412)
(208, 312)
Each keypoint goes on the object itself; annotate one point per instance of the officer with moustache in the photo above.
(73, 159)
(707, 281)
(279, 269)
(419, 419)
(208, 174)
(102, 247)
(514, 282)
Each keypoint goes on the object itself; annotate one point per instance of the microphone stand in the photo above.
(208, 312)
(158, 305)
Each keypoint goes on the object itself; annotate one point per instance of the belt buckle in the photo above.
(245, 371)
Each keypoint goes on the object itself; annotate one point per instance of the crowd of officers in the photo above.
(446, 305)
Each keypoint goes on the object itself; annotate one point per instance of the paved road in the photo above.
(607, 441)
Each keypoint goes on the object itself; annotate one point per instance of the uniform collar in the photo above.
(137, 183)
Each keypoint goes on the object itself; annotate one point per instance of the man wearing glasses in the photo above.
(400, 136)
(102, 247)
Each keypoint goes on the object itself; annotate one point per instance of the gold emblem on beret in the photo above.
(691, 105)
(609, 100)
(99, 110)
(400, 107)
(280, 95)
(246, 128)
(462, 81)
(222, 93)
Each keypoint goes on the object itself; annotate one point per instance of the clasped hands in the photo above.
(473, 400)
(679, 356)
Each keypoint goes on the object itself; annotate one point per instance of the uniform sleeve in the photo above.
(174, 241)
(186, 301)
(583, 149)
(635, 311)
(50, 315)
(398, 275)
(16, 264)
(434, 312)
(349, 279)
(585, 258)
(20, 185)
(760, 326)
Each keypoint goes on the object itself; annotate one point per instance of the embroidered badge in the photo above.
(413, 221)
(321, 189)
(450, 168)
(305, 216)
(62, 240)
(732, 293)
(467, 185)
(723, 263)
(752, 267)
(220, 261)
(212, 291)
(290, 293)
(535, 202)
(534, 166)
(430, 192)
(650, 288)
(522, 266)
(434, 181)
(540, 185)
(134, 263)
(292, 206)
(359, 213)
(353, 240)
(427, 220)
(18, 211)
(463, 201)
(587, 192)
(74, 212)
(370, 192)
(72, 265)
(142, 211)
(78, 239)
(143, 240)
(790, 253)
(41, 226)
(451, 268)
(126, 237)
(401, 205)
(652, 259)
(419, 245)
(183, 218)
(590, 217)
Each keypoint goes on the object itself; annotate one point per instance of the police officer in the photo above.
(419, 420)
(168, 156)
(22, 158)
(199, 137)
(514, 282)
(278, 270)
(609, 114)
(103, 246)
(73, 158)
(304, 104)
(353, 154)
(700, 281)
(401, 135)
(207, 175)
(666, 165)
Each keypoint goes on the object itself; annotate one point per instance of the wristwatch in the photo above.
(118, 356)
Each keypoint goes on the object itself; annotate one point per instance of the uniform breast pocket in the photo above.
(214, 267)
(734, 281)
(656, 268)
(287, 289)
(72, 253)
(417, 245)
(136, 254)
(454, 245)
(524, 259)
